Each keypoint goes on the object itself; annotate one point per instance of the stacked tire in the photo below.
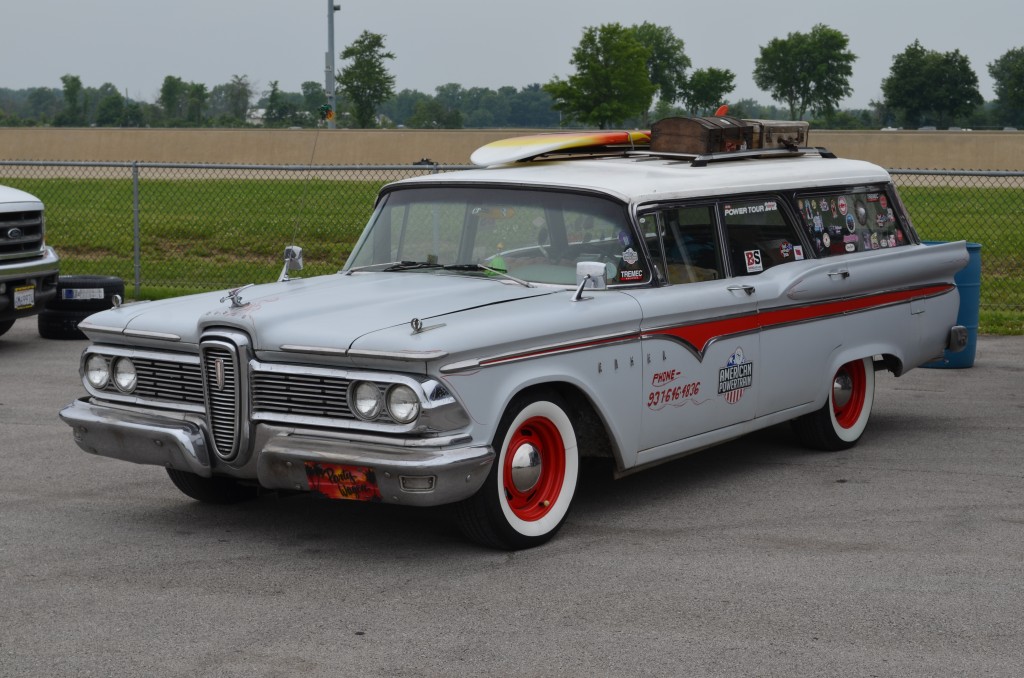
(78, 297)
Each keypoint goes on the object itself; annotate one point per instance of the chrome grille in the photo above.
(223, 402)
(301, 394)
(21, 234)
(169, 381)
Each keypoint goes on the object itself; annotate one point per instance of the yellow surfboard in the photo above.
(531, 146)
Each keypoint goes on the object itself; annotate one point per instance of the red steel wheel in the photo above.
(534, 468)
(838, 424)
(531, 483)
(848, 391)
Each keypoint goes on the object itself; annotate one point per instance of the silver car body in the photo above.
(665, 369)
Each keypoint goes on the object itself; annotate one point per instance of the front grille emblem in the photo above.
(218, 373)
(14, 233)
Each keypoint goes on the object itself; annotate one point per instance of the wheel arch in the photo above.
(884, 357)
(594, 437)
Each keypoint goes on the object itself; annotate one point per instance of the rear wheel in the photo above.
(531, 484)
(838, 425)
(215, 490)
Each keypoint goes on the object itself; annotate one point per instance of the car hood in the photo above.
(328, 312)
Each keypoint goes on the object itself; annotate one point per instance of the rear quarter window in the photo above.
(851, 221)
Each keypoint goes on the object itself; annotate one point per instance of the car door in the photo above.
(699, 338)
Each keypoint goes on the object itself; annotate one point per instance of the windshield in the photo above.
(536, 236)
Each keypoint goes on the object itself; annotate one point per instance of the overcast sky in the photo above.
(134, 44)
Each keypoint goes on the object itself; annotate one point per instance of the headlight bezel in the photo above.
(99, 365)
(411, 399)
(121, 366)
(372, 391)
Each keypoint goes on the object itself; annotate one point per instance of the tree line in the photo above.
(623, 76)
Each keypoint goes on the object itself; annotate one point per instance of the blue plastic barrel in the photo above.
(968, 283)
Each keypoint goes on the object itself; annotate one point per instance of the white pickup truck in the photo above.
(28, 267)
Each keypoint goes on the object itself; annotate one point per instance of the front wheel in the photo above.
(531, 484)
(838, 425)
(215, 490)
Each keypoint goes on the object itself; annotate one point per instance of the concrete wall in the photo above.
(898, 149)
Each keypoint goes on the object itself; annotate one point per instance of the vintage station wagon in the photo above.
(601, 296)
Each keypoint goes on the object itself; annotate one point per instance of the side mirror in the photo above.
(292, 261)
(597, 271)
(589, 275)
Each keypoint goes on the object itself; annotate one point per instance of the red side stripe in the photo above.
(699, 335)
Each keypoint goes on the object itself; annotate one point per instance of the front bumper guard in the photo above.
(138, 437)
(416, 476)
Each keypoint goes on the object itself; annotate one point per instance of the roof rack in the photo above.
(705, 159)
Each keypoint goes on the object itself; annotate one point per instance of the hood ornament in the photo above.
(235, 296)
(418, 327)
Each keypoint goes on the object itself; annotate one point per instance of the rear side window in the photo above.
(759, 235)
(852, 221)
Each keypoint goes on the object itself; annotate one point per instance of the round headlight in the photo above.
(403, 404)
(97, 371)
(367, 400)
(125, 377)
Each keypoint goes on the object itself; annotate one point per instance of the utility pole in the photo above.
(329, 63)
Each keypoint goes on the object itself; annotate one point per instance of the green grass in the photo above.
(988, 216)
(200, 234)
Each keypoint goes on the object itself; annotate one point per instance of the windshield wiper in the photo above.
(485, 269)
(389, 266)
(368, 267)
(410, 266)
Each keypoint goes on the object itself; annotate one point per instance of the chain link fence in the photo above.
(170, 229)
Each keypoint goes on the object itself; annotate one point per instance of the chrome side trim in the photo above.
(398, 355)
(145, 334)
(316, 350)
(89, 327)
(365, 353)
(541, 351)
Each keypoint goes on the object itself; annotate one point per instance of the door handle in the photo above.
(749, 289)
(841, 274)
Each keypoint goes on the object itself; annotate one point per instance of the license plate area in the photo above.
(24, 297)
(343, 481)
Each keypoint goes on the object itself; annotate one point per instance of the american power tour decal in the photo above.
(737, 375)
(668, 388)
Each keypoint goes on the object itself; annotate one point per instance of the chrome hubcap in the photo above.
(842, 389)
(526, 467)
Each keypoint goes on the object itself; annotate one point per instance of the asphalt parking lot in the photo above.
(901, 557)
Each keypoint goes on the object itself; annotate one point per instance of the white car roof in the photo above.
(647, 178)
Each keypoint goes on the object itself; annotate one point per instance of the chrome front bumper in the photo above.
(417, 476)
